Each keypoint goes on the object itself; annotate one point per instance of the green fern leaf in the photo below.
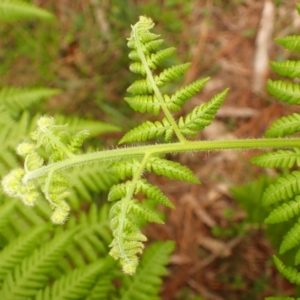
(12, 10)
(202, 115)
(124, 168)
(16, 251)
(284, 126)
(291, 239)
(16, 100)
(289, 68)
(156, 58)
(148, 130)
(289, 273)
(145, 283)
(284, 212)
(139, 210)
(285, 91)
(186, 93)
(144, 103)
(170, 169)
(171, 73)
(283, 188)
(291, 42)
(5, 212)
(152, 192)
(32, 274)
(278, 159)
(77, 284)
(94, 127)
(139, 87)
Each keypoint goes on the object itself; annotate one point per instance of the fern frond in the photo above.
(284, 212)
(75, 285)
(171, 73)
(278, 159)
(12, 10)
(286, 125)
(291, 239)
(94, 127)
(283, 188)
(13, 254)
(146, 282)
(202, 115)
(185, 93)
(16, 100)
(152, 192)
(26, 279)
(149, 130)
(171, 169)
(144, 103)
(287, 92)
(289, 273)
(288, 68)
(6, 210)
(291, 42)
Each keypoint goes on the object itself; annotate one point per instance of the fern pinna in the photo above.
(284, 194)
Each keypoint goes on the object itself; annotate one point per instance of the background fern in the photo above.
(286, 187)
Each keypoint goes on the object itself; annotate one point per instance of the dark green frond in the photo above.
(145, 283)
(286, 125)
(148, 130)
(13, 254)
(202, 115)
(284, 212)
(33, 273)
(291, 239)
(17, 100)
(291, 42)
(13, 10)
(75, 285)
(287, 92)
(283, 188)
(289, 68)
(278, 159)
(170, 169)
(289, 273)
(6, 210)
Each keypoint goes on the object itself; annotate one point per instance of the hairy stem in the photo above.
(116, 154)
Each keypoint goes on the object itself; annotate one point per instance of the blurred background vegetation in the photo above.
(223, 249)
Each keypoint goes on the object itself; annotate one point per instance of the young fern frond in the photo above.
(285, 91)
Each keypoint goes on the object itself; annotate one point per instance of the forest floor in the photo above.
(221, 253)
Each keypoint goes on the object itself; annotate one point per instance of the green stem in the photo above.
(197, 146)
